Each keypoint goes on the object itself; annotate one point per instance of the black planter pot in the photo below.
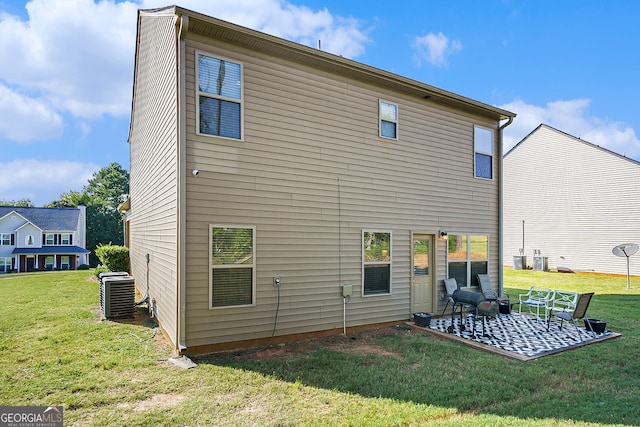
(422, 319)
(596, 325)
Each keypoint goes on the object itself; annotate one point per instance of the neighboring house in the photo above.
(257, 161)
(42, 238)
(577, 200)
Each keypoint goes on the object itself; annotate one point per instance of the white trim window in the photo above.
(232, 280)
(467, 256)
(65, 239)
(376, 262)
(48, 263)
(65, 263)
(388, 115)
(5, 265)
(28, 240)
(220, 97)
(49, 239)
(5, 239)
(483, 152)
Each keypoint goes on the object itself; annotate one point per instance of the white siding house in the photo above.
(257, 161)
(577, 201)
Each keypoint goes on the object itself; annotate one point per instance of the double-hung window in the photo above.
(48, 263)
(65, 239)
(49, 239)
(5, 265)
(219, 97)
(467, 256)
(5, 239)
(233, 266)
(376, 262)
(483, 152)
(388, 120)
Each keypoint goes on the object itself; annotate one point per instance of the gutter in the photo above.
(501, 207)
(181, 305)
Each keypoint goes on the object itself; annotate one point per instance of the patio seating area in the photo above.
(516, 335)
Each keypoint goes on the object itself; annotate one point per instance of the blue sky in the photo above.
(66, 69)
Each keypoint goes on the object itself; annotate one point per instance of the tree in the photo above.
(105, 191)
(23, 203)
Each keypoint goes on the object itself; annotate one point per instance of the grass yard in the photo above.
(54, 350)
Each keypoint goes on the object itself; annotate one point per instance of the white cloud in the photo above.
(76, 54)
(27, 119)
(571, 117)
(43, 181)
(339, 35)
(435, 49)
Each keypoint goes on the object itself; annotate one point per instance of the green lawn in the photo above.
(54, 350)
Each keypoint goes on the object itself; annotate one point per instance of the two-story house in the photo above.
(278, 191)
(42, 238)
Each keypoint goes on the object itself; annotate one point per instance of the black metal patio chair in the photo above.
(578, 313)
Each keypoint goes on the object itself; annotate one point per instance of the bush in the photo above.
(100, 269)
(83, 267)
(113, 257)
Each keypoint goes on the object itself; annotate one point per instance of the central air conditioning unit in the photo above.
(117, 295)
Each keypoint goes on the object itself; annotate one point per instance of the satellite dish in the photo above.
(625, 250)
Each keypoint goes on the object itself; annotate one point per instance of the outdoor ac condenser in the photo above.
(117, 296)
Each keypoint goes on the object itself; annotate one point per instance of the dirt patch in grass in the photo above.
(159, 401)
(359, 343)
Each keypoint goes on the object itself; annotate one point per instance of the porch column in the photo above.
(36, 262)
(55, 261)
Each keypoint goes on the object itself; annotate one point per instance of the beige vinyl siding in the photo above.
(311, 173)
(578, 201)
(153, 145)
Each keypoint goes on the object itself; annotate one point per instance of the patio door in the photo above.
(422, 273)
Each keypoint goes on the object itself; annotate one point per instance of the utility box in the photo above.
(519, 262)
(346, 290)
(541, 263)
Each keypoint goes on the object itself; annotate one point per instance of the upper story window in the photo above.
(467, 256)
(28, 241)
(6, 239)
(388, 120)
(376, 263)
(483, 152)
(219, 97)
(233, 266)
(57, 239)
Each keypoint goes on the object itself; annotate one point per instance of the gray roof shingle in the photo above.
(47, 219)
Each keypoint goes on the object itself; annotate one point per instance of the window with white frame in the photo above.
(28, 240)
(233, 266)
(48, 263)
(5, 239)
(483, 152)
(376, 262)
(64, 262)
(49, 239)
(5, 265)
(65, 239)
(388, 120)
(467, 256)
(219, 96)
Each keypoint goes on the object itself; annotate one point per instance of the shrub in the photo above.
(113, 257)
(100, 269)
(83, 267)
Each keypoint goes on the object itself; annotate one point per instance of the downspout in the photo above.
(182, 167)
(501, 209)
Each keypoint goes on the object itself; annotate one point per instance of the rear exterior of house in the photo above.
(256, 161)
(577, 200)
(36, 239)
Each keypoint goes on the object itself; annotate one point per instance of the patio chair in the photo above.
(487, 289)
(578, 313)
(562, 301)
(451, 286)
(536, 297)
